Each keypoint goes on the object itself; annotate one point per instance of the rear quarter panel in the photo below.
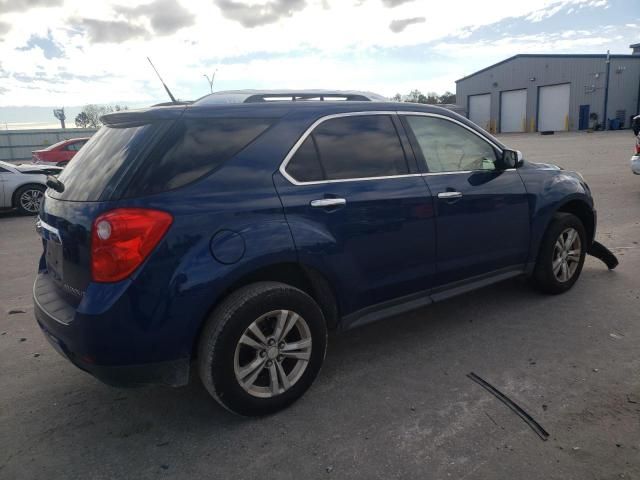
(157, 314)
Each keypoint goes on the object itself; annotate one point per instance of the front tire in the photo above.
(262, 348)
(28, 199)
(562, 253)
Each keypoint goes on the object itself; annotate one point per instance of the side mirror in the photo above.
(510, 159)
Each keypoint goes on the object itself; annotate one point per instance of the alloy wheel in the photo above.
(30, 200)
(567, 252)
(272, 353)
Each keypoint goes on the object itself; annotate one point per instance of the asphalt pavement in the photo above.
(393, 399)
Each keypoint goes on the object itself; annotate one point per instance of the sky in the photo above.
(69, 53)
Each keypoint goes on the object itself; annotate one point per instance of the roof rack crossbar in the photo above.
(296, 96)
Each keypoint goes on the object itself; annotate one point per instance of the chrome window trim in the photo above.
(431, 174)
(307, 132)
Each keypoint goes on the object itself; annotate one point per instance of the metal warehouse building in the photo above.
(529, 93)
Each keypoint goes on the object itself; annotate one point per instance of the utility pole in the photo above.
(59, 114)
(606, 91)
(210, 80)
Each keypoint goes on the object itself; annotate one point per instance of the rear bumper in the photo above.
(635, 164)
(64, 330)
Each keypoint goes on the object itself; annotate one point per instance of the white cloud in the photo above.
(292, 43)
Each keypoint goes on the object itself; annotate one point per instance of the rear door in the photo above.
(68, 151)
(358, 209)
(482, 213)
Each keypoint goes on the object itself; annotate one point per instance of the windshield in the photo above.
(103, 160)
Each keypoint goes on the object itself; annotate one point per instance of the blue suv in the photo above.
(229, 235)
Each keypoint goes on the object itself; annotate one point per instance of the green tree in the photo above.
(90, 115)
(447, 97)
(415, 96)
(432, 98)
(82, 120)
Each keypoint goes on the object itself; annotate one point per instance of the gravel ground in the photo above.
(393, 400)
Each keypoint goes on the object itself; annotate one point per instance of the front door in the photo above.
(583, 122)
(482, 213)
(358, 210)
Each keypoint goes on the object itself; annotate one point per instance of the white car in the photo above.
(22, 186)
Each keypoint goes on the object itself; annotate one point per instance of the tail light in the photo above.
(638, 148)
(122, 239)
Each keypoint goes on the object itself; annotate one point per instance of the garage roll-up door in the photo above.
(513, 111)
(480, 110)
(553, 107)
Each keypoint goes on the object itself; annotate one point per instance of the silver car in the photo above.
(22, 186)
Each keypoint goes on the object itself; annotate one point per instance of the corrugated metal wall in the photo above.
(17, 145)
(586, 75)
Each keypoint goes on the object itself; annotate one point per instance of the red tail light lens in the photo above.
(121, 240)
(638, 148)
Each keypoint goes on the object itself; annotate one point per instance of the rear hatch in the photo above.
(135, 155)
(90, 182)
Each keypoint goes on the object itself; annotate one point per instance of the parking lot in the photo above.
(393, 399)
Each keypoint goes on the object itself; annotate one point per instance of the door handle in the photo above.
(450, 195)
(328, 202)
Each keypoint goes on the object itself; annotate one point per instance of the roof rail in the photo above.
(169, 104)
(258, 96)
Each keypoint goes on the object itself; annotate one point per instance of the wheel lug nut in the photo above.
(271, 341)
(280, 357)
(269, 363)
(281, 345)
(262, 353)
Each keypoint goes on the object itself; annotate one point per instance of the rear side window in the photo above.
(193, 149)
(305, 165)
(74, 147)
(361, 146)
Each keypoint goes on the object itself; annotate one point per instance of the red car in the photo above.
(59, 153)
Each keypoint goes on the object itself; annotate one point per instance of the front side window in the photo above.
(449, 147)
(362, 146)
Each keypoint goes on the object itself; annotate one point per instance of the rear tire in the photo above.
(27, 199)
(561, 256)
(262, 348)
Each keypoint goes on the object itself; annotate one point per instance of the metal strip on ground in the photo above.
(535, 426)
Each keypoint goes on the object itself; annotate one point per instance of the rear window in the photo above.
(194, 148)
(96, 168)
